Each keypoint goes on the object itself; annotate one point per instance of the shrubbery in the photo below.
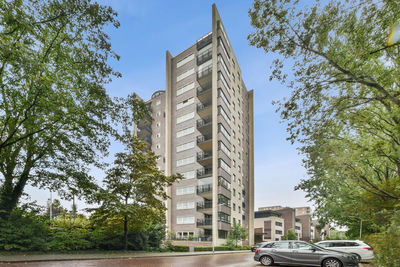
(28, 231)
(179, 248)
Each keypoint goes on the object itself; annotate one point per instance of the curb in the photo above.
(19, 259)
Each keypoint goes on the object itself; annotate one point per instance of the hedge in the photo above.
(180, 248)
(202, 248)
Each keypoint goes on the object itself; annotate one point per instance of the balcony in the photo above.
(204, 158)
(205, 142)
(205, 40)
(144, 130)
(205, 56)
(205, 190)
(204, 76)
(204, 110)
(204, 94)
(205, 207)
(204, 125)
(204, 172)
(205, 223)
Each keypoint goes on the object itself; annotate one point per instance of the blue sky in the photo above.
(149, 28)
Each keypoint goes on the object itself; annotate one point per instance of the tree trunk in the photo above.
(126, 232)
(9, 196)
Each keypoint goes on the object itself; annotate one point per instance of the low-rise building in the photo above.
(298, 229)
(268, 226)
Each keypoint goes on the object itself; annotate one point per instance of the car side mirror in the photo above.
(313, 249)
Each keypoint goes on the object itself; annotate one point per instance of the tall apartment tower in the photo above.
(203, 129)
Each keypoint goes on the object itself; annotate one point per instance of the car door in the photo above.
(281, 252)
(306, 253)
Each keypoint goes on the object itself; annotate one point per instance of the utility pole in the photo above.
(51, 205)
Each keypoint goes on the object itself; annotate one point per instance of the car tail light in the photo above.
(369, 248)
(257, 250)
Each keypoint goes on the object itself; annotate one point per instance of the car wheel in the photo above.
(266, 260)
(332, 263)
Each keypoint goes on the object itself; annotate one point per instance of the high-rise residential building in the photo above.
(202, 127)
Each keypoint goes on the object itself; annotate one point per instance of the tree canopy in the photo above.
(344, 107)
(54, 109)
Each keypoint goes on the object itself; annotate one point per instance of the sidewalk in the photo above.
(105, 255)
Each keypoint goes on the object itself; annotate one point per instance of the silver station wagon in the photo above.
(300, 253)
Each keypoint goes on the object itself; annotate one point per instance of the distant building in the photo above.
(304, 215)
(298, 229)
(268, 226)
(321, 234)
(288, 215)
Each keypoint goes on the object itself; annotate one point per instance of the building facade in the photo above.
(268, 226)
(203, 128)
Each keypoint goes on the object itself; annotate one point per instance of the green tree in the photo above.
(56, 208)
(54, 108)
(238, 233)
(290, 235)
(344, 107)
(134, 190)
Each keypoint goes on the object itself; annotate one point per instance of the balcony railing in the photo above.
(204, 41)
(203, 155)
(202, 122)
(205, 56)
(204, 171)
(201, 90)
(204, 188)
(204, 222)
(205, 72)
(201, 106)
(144, 127)
(203, 138)
(204, 205)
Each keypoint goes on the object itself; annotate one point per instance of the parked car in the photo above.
(362, 250)
(300, 253)
(255, 246)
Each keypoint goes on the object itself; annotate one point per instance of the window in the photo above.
(158, 135)
(239, 155)
(185, 88)
(185, 205)
(278, 232)
(223, 80)
(185, 190)
(158, 146)
(158, 124)
(225, 67)
(185, 219)
(239, 195)
(224, 148)
(302, 246)
(221, 43)
(239, 209)
(185, 161)
(158, 113)
(239, 169)
(185, 132)
(158, 102)
(184, 75)
(278, 223)
(224, 166)
(234, 206)
(185, 60)
(185, 147)
(185, 103)
(224, 131)
(234, 135)
(234, 192)
(188, 175)
(222, 112)
(223, 97)
(185, 117)
(234, 177)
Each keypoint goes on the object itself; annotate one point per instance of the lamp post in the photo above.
(361, 221)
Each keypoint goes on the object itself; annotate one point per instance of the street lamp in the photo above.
(361, 221)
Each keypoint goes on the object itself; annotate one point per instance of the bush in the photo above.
(244, 247)
(387, 244)
(24, 231)
(202, 248)
(222, 248)
(180, 248)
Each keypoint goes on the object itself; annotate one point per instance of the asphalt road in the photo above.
(217, 260)
(234, 260)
